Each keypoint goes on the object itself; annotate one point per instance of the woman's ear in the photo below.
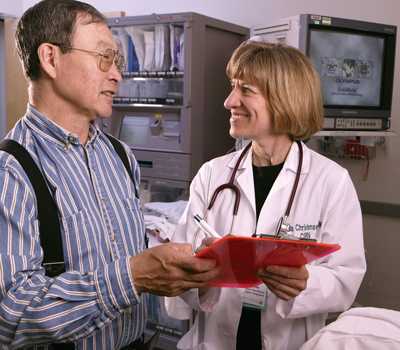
(48, 56)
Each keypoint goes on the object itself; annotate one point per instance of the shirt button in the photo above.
(112, 237)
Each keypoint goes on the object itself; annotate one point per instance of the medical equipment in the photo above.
(282, 229)
(158, 110)
(355, 60)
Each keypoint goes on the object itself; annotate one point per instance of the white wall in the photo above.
(9, 7)
(3, 118)
(249, 13)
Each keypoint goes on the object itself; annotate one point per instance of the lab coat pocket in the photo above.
(177, 308)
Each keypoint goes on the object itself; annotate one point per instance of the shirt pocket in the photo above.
(133, 203)
(80, 244)
(135, 228)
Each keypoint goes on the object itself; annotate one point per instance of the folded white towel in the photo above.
(361, 328)
(171, 210)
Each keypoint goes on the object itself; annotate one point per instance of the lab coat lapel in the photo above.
(244, 180)
(289, 170)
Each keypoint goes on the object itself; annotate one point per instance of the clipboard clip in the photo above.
(283, 229)
(283, 232)
(289, 237)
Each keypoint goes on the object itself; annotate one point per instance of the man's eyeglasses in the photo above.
(106, 58)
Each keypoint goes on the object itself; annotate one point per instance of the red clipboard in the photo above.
(241, 257)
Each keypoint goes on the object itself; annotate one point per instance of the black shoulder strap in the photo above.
(124, 157)
(49, 224)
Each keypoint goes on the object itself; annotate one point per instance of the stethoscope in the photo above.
(283, 226)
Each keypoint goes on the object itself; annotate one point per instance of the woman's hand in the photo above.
(285, 282)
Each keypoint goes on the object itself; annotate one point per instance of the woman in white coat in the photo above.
(275, 101)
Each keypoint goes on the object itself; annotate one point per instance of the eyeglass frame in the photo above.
(117, 58)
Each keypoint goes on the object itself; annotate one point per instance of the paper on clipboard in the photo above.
(241, 257)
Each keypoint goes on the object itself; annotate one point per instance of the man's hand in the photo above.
(206, 242)
(285, 282)
(170, 269)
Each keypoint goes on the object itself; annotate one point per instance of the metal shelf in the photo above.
(153, 75)
(165, 342)
(146, 105)
(349, 133)
(153, 78)
(158, 150)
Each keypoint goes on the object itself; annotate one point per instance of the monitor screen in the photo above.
(350, 65)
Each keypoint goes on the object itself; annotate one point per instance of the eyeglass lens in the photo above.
(110, 56)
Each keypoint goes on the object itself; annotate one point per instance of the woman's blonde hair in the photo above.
(288, 82)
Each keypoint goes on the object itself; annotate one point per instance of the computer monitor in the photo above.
(355, 60)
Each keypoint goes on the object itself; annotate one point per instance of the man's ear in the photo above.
(48, 56)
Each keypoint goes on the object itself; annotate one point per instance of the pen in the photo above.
(206, 228)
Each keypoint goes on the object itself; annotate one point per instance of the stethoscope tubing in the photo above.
(231, 185)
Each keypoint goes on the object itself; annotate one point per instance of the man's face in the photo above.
(83, 87)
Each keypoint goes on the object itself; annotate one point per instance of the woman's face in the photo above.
(249, 114)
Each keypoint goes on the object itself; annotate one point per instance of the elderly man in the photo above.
(98, 298)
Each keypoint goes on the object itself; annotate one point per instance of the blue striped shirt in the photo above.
(93, 303)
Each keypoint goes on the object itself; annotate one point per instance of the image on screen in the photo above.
(350, 67)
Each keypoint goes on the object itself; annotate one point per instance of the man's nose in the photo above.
(115, 73)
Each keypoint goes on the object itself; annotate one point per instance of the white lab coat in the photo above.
(325, 207)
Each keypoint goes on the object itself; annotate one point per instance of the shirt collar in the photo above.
(54, 132)
(292, 159)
